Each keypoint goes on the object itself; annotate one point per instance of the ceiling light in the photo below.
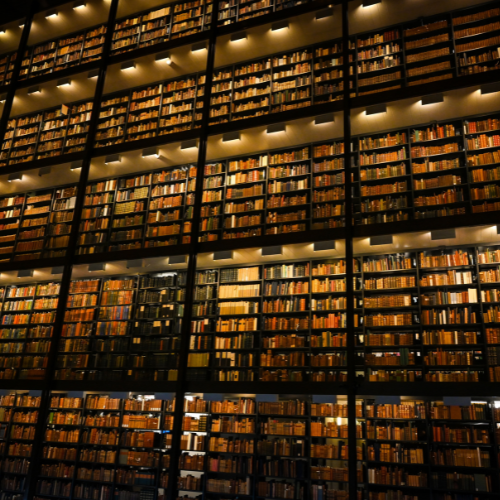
(431, 99)
(490, 88)
(321, 14)
(231, 136)
(150, 152)
(324, 245)
(112, 159)
(280, 25)
(177, 259)
(76, 164)
(134, 263)
(79, 4)
(25, 273)
(64, 82)
(22, 22)
(163, 56)
(241, 35)
(93, 74)
(375, 109)
(128, 65)
(193, 143)
(2, 98)
(198, 46)
(443, 234)
(2, 31)
(369, 3)
(34, 90)
(274, 250)
(276, 127)
(15, 177)
(328, 118)
(57, 270)
(223, 255)
(381, 240)
(98, 266)
(51, 13)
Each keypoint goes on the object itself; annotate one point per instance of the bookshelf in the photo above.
(122, 328)
(46, 134)
(273, 323)
(100, 444)
(69, 51)
(28, 312)
(143, 211)
(166, 22)
(18, 418)
(263, 446)
(6, 66)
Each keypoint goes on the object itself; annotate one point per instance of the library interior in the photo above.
(250, 250)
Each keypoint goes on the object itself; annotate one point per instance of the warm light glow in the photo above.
(51, 14)
(79, 5)
(2, 31)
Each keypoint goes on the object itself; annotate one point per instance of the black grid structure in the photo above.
(354, 346)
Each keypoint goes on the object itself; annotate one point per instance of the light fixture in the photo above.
(57, 270)
(177, 259)
(15, 177)
(328, 118)
(163, 56)
(386, 239)
(134, 263)
(2, 31)
(241, 35)
(127, 65)
(432, 99)
(198, 46)
(51, 13)
(79, 4)
(97, 266)
(64, 82)
(112, 159)
(44, 171)
(76, 164)
(2, 98)
(376, 108)
(231, 136)
(193, 143)
(490, 88)
(22, 22)
(274, 250)
(276, 127)
(150, 152)
(443, 234)
(223, 255)
(369, 3)
(34, 90)
(93, 74)
(280, 25)
(324, 245)
(321, 14)
(25, 273)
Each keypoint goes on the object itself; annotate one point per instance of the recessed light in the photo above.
(79, 4)
(51, 13)
(328, 118)
(369, 3)
(443, 234)
(15, 177)
(64, 82)
(177, 259)
(376, 108)
(93, 74)
(150, 152)
(386, 239)
(223, 255)
(112, 159)
(57, 270)
(134, 263)
(34, 90)
(276, 127)
(274, 250)
(2, 31)
(3, 97)
(22, 22)
(25, 273)
(193, 143)
(98, 266)
(323, 13)
(280, 25)
(198, 46)
(241, 35)
(490, 88)
(231, 136)
(76, 164)
(164, 56)
(128, 65)
(324, 245)
(431, 99)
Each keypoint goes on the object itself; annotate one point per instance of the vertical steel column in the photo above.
(175, 451)
(68, 266)
(349, 256)
(7, 108)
